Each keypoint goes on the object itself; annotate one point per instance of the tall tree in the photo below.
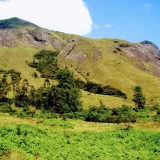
(138, 97)
(4, 88)
(69, 91)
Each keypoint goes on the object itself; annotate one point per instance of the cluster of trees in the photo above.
(5, 86)
(111, 115)
(45, 62)
(65, 97)
(99, 89)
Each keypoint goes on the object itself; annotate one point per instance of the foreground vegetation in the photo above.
(54, 139)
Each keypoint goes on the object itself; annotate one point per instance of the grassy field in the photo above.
(57, 139)
(90, 99)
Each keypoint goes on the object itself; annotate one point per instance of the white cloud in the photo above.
(146, 7)
(96, 26)
(71, 16)
(108, 25)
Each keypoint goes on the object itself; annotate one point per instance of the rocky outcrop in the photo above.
(7, 39)
(34, 37)
(146, 52)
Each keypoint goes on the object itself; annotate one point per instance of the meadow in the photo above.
(59, 139)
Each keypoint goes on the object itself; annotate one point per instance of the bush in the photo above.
(116, 115)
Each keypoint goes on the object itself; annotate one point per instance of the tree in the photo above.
(21, 97)
(4, 88)
(138, 97)
(70, 94)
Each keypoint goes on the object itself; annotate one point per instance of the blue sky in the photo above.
(132, 20)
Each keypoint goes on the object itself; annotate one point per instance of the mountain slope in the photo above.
(113, 62)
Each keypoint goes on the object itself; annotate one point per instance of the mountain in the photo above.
(118, 63)
(14, 23)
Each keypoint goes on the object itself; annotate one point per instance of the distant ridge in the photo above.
(146, 42)
(14, 23)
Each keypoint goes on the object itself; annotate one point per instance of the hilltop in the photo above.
(14, 23)
(118, 63)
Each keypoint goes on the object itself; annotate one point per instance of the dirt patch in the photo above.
(77, 56)
(96, 55)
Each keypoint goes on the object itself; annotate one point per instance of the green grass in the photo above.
(54, 139)
(91, 99)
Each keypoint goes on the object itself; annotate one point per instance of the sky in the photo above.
(132, 20)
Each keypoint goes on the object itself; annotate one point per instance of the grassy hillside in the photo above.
(101, 61)
(18, 59)
(33, 138)
(115, 69)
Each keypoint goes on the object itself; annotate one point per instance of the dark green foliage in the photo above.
(5, 107)
(65, 78)
(63, 98)
(108, 90)
(118, 49)
(14, 23)
(4, 88)
(69, 91)
(94, 88)
(2, 71)
(138, 97)
(45, 62)
(111, 115)
(99, 89)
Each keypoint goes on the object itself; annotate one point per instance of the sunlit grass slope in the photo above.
(90, 99)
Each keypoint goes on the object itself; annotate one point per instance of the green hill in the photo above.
(117, 63)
